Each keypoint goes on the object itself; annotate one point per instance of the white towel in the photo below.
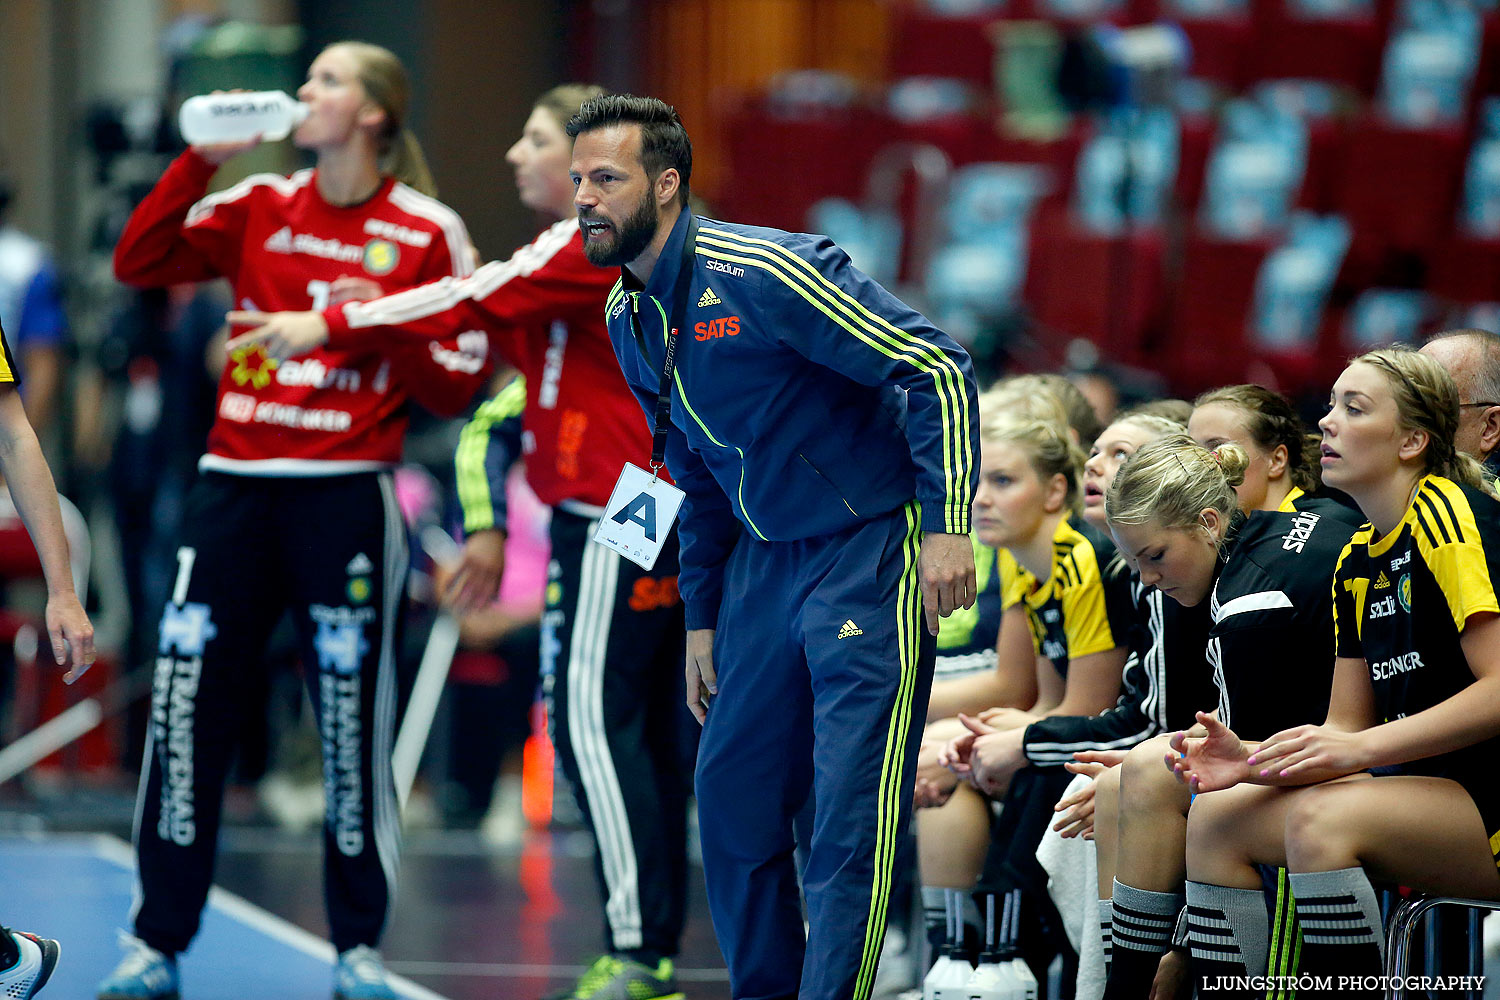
(1072, 868)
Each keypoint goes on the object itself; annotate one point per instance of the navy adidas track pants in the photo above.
(824, 668)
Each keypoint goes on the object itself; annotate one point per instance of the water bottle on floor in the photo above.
(993, 979)
(949, 981)
(239, 117)
(1012, 938)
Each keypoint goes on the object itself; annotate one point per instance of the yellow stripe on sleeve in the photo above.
(878, 333)
(473, 482)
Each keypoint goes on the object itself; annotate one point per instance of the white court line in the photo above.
(509, 969)
(115, 850)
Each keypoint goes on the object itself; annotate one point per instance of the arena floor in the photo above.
(472, 920)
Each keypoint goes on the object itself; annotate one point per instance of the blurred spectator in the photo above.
(1101, 392)
(31, 311)
(495, 674)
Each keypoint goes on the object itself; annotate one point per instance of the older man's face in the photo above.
(1462, 359)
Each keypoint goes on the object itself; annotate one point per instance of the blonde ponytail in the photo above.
(405, 161)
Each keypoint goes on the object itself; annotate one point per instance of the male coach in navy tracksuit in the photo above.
(826, 437)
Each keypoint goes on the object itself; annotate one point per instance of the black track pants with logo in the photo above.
(612, 655)
(333, 550)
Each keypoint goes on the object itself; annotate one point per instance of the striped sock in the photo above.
(1341, 926)
(1228, 936)
(1142, 933)
(1106, 920)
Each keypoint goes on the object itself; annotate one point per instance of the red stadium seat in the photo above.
(1195, 141)
(1221, 48)
(1343, 50)
(1083, 284)
(966, 138)
(824, 153)
(1466, 269)
(1327, 146)
(1398, 190)
(1207, 342)
(924, 43)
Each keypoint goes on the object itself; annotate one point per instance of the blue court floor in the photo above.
(470, 922)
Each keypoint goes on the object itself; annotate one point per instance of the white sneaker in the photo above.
(360, 975)
(143, 974)
(38, 957)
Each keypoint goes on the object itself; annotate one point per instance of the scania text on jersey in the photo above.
(1382, 670)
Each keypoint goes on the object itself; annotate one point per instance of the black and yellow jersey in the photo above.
(1271, 643)
(1402, 602)
(8, 372)
(1084, 606)
(1326, 499)
(966, 639)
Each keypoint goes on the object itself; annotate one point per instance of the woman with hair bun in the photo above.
(1176, 513)
(1397, 785)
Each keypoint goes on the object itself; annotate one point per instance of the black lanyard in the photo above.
(679, 310)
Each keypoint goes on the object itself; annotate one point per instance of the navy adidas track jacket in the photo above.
(806, 398)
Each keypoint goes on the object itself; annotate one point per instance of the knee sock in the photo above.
(1228, 935)
(935, 919)
(1142, 934)
(1106, 919)
(934, 916)
(1341, 925)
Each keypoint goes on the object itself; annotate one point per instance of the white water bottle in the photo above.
(216, 118)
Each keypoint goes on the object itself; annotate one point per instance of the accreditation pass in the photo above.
(639, 515)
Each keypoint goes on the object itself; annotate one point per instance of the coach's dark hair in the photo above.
(664, 142)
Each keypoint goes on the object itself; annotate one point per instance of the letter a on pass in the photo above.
(638, 516)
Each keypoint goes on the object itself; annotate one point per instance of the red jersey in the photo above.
(544, 310)
(333, 410)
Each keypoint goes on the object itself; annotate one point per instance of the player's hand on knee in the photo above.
(702, 682)
(935, 783)
(946, 566)
(1212, 762)
(1076, 811)
(1302, 750)
(957, 754)
(1091, 762)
